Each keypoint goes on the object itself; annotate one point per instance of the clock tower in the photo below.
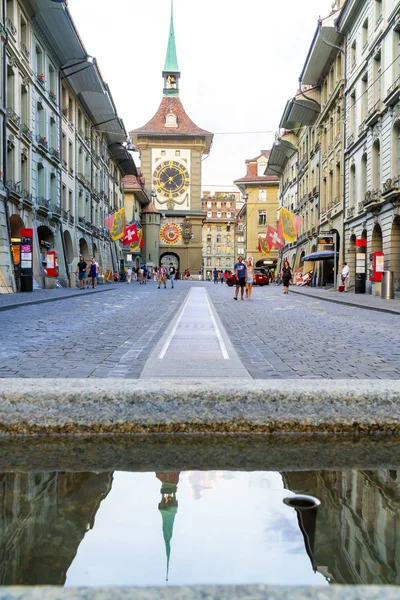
(171, 147)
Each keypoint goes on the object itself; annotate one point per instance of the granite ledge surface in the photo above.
(48, 406)
(250, 592)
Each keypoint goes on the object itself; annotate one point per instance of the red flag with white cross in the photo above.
(130, 235)
(274, 238)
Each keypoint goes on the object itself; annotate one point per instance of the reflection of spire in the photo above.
(168, 508)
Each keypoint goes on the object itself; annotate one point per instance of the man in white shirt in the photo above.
(345, 276)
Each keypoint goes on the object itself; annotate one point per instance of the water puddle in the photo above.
(176, 527)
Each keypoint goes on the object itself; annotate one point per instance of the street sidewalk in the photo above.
(350, 299)
(9, 301)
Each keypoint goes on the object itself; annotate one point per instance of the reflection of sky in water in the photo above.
(230, 528)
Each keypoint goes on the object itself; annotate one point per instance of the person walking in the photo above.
(240, 273)
(80, 272)
(345, 276)
(249, 278)
(161, 276)
(172, 273)
(92, 273)
(215, 276)
(129, 274)
(145, 272)
(140, 276)
(286, 276)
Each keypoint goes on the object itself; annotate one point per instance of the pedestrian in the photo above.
(129, 274)
(172, 272)
(221, 276)
(226, 275)
(200, 275)
(215, 276)
(92, 273)
(140, 276)
(115, 277)
(240, 273)
(286, 276)
(345, 276)
(249, 278)
(145, 273)
(80, 272)
(161, 277)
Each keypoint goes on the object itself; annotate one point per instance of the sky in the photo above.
(239, 63)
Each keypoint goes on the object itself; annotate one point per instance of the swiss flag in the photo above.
(274, 238)
(130, 235)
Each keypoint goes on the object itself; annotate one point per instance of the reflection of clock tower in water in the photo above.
(171, 148)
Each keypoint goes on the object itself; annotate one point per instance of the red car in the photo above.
(260, 278)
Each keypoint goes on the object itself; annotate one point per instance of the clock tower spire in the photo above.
(171, 73)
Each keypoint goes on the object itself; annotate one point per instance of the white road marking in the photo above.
(218, 333)
(171, 335)
(169, 339)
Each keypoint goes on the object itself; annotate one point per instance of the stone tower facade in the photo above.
(171, 147)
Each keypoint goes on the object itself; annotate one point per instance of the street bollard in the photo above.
(387, 289)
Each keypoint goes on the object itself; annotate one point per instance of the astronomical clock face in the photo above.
(171, 179)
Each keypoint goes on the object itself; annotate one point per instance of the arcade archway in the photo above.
(69, 249)
(83, 248)
(395, 252)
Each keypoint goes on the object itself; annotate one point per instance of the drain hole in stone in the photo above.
(302, 502)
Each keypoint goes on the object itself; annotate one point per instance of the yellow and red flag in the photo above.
(287, 226)
(116, 224)
(135, 246)
(263, 245)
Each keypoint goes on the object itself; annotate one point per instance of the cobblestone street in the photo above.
(275, 336)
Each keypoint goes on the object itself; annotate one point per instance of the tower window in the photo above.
(177, 152)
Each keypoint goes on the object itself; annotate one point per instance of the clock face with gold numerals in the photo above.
(171, 179)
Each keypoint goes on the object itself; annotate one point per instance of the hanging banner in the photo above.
(116, 224)
(263, 246)
(136, 246)
(286, 225)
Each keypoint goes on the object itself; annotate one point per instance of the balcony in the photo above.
(55, 209)
(27, 197)
(13, 118)
(350, 140)
(43, 203)
(393, 93)
(64, 214)
(42, 142)
(371, 198)
(350, 212)
(71, 220)
(362, 129)
(391, 188)
(27, 132)
(53, 96)
(373, 114)
(11, 27)
(26, 53)
(41, 79)
(303, 162)
(14, 187)
(360, 207)
(55, 153)
(82, 221)
(314, 230)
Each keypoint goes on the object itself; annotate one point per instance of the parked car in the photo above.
(260, 278)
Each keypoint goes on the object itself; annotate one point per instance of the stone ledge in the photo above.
(82, 406)
(251, 592)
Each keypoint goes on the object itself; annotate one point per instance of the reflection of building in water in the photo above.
(168, 508)
(357, 531)
(44, 517)
(201, 481)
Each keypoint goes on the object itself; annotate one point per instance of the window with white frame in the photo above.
(378, 10)
(209, 215)
(364, 34)
(219, 215)
(209, 204)
(228, 215)
(240, 251)
(262, 217)
(262, 195)
(261, 166)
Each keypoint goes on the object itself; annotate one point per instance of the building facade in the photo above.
(64, 161)
(261, 195)
(372, 188)
(219, 250)
(171, 148)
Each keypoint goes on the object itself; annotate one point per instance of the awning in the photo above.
(322, 255)
(123, 159)
(280, 153)
(300, 111)
(321, 51)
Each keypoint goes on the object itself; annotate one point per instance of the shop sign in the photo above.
(326, 240)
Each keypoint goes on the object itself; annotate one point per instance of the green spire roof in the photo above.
(171, 61)
(168, 517)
